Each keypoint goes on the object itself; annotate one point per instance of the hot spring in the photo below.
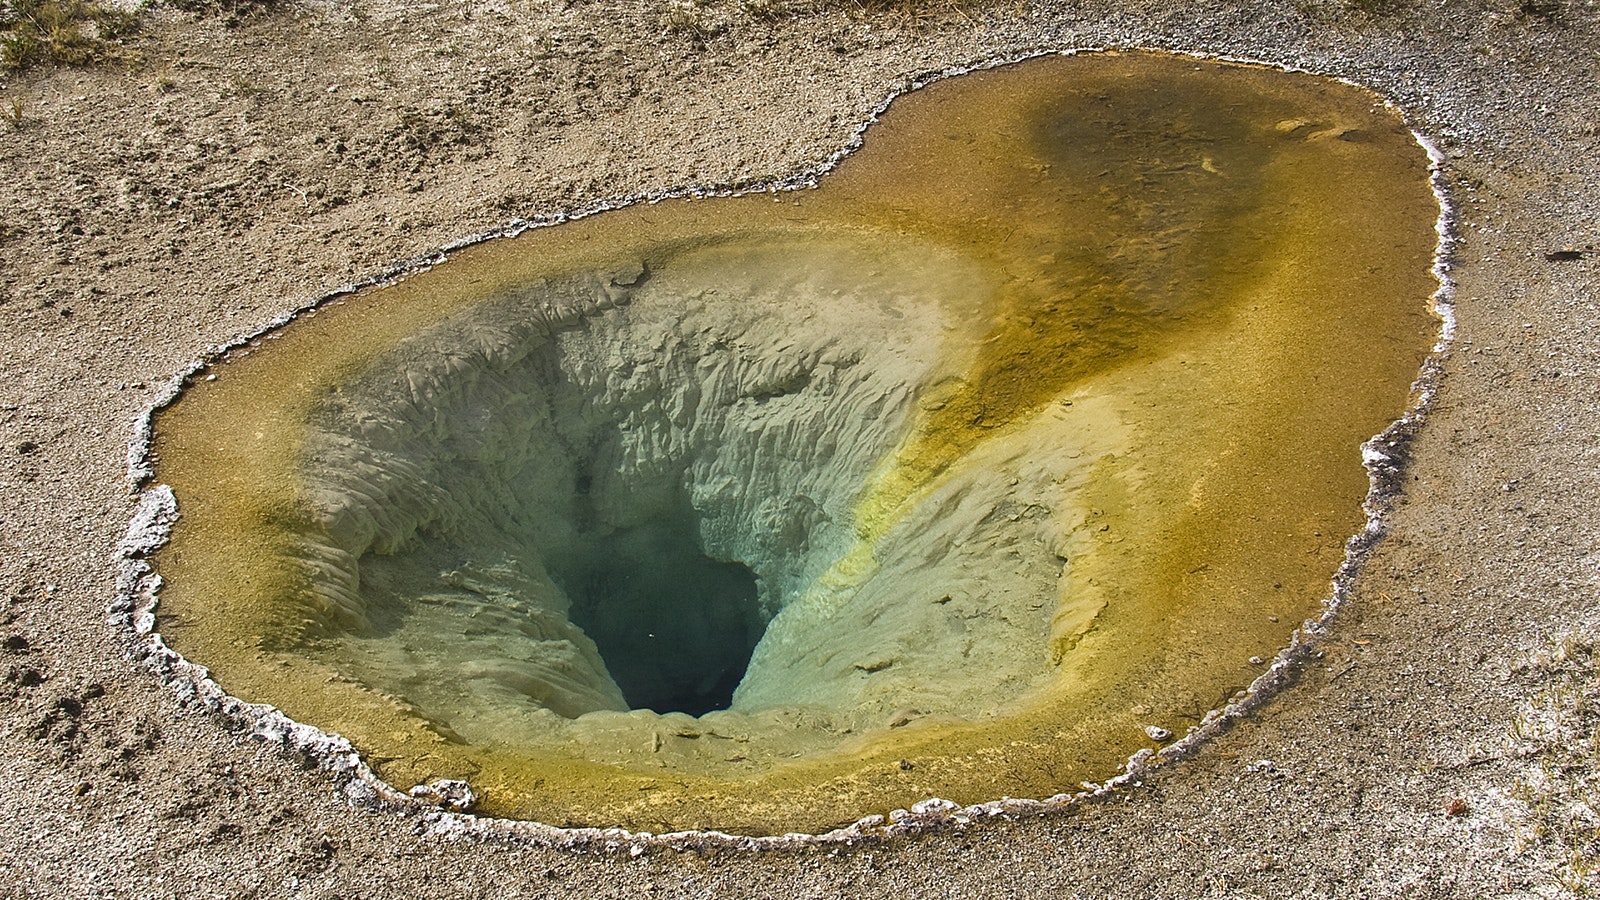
(1025, 430)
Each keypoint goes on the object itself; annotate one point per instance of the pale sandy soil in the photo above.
(227, 172)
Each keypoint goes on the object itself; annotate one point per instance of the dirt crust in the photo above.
(230, 166)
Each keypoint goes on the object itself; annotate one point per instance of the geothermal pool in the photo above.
(1025, 430)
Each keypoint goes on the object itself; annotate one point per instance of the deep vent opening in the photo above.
(675, 627)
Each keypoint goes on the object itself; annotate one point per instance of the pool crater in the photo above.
(1021, 433)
